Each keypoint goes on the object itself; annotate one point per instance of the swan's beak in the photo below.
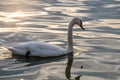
(82, 27)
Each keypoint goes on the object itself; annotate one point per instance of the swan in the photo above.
(42, 49)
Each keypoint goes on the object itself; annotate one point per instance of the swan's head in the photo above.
(78, 21)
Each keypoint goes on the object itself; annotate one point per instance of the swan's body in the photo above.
(36, 48)
(43, 49)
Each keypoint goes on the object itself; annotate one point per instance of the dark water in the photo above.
(97, 50)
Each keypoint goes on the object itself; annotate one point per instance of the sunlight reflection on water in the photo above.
(12, 17)
(18, 29)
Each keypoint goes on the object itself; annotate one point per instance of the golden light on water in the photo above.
(18, 29)
(16, 14)
(10, 17)
(24, 14)
(4, 53)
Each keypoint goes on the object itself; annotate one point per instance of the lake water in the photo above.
(96, 50)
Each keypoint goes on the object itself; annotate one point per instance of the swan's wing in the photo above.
(44, 49)
(38, 49)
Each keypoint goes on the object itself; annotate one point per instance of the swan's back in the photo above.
(37, 49)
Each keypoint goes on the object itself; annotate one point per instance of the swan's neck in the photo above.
(70, 40)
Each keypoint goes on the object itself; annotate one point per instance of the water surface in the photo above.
(97, 50)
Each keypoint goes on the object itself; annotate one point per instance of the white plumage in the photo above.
(43, 49)
(36, 48)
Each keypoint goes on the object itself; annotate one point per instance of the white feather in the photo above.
(37, 49)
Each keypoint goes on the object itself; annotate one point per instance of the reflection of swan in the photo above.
(69, 65)
(34, 48)
(68, 68)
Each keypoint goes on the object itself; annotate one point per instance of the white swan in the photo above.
(41, 49)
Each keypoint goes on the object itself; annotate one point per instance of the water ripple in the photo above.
(96, 49)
